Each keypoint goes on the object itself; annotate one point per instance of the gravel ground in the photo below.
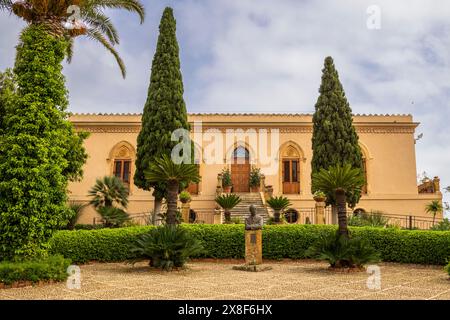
(291, 280)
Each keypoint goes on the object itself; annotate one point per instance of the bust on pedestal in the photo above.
(253, 243)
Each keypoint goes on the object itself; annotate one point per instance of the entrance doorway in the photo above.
(291, 181)
(240, 170)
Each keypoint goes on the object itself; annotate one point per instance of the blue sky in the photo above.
(267, 56)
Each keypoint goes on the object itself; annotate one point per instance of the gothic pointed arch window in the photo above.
(290, 169)
(122, 158)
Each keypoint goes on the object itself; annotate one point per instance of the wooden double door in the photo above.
(240, 175)
(291, 176)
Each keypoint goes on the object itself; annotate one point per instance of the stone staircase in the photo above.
(241, 211)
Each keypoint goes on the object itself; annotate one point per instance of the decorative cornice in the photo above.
(385, 129)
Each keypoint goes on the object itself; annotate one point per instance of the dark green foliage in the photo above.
(39, 149)
(8, 88)
(334, 140)
(107, 192)
(103, 245)
(279, 203)
(228, 202)
(371, 219)
(88, 226)
(113, 217)
(164, 110)
(279, 241)
(447, 268)
(163, 217)
(444, 225)
(166, 171)
(255, 177)
(74, 213)
(226, 178)
(342, 252)
(167, 247)
(44, 269)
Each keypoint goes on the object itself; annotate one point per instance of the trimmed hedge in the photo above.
(279, 241)
(45, 269)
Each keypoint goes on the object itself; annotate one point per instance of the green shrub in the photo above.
(104, 245)
(167, 247)
(444, 225)
(279, 241)
(447, 268)
(372, 219)
(89, 226)
(342, 252)
(45, 269)
(113, 217)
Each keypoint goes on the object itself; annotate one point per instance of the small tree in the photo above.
(164, 110)
(434, 207)
(228, 202)
(278, 204)
(341, 182)
(164, 170)
(110, 198)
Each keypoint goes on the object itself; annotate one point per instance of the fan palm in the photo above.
(341, 181)
(434, 207)
(228, 202)
(165, 170)
(107, 192)
(62, 19)
(278, 204)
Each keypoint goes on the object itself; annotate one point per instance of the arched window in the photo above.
(122, 159)
(290, 169)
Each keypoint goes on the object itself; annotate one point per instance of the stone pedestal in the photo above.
(253, 247)
(217, 216)
(320, 212)
(185, 207)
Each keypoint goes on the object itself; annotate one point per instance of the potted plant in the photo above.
(255, 179)
(185, 197)
(319, 196)
(228, 202)
(226, 180)
(278, 204)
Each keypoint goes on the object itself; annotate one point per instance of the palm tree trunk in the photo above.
(276, 216)
(172, 195)
(156, 209)
(342, 212)
(227, 216)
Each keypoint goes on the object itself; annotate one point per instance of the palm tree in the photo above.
(341, 181)
(62, 21)
(434, 207)
(228, 202)
(165, 170)
(278, 204)
(107, 192)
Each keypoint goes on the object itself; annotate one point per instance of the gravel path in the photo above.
(290, 280)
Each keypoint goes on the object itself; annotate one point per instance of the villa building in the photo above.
(279, 144)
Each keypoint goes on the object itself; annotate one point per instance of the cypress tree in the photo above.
(334, 141)
(164, 110)
(39, 150)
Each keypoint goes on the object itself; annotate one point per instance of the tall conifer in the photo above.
(334, 141)
(164, 110)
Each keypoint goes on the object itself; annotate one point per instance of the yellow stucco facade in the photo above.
(387, 143)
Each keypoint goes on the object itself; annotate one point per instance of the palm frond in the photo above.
(6, 5)
(164, 169)
(98, 36)
(99, 21)
(134, 6)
